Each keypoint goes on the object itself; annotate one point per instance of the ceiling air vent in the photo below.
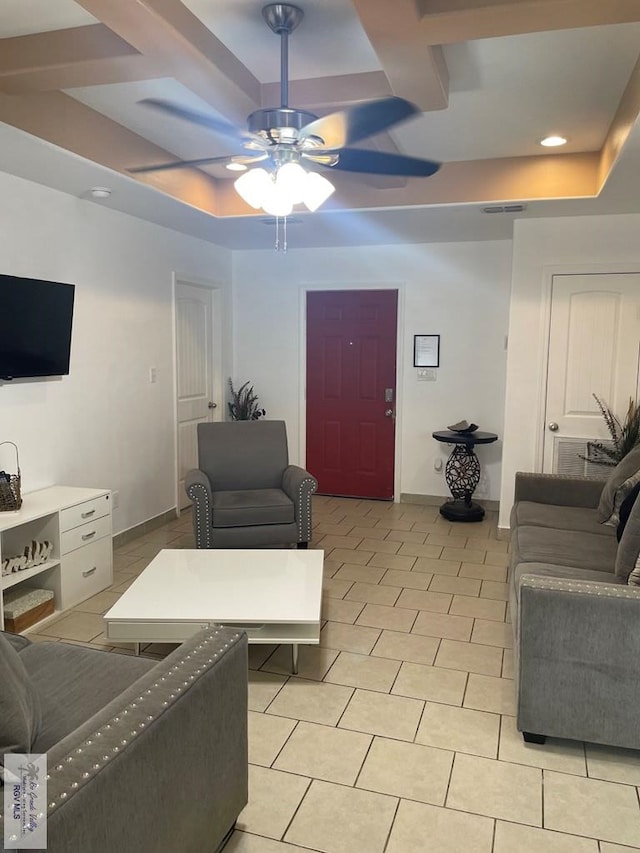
(271, 220)
(504, 208)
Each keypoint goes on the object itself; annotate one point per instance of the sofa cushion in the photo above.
(73, 683)
(560, 517)
(252, 507)
(563, 548)
(19, 704)
(620, 482)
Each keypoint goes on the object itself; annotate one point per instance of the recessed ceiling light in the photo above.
(553, 141)
(100, 192)
(236, 167)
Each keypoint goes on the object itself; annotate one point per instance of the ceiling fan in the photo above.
(284, 139)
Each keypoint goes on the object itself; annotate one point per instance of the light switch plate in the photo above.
(427, 374)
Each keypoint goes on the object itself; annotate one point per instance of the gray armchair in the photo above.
(245, 493)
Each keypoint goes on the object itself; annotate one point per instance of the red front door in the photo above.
(351, 391)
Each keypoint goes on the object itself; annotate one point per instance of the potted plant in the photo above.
(624, 435)
(243, 405)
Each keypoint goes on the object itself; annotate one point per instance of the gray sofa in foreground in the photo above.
(143, 756)
(576, 619)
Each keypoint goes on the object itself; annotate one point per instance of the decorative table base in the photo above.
(461, 511)
(462, 473)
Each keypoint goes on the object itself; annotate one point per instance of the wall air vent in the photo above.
(567, 459)
(504, 208)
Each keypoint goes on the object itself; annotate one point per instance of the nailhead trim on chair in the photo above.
(304, 507)
(202, 515)
(605, 590)
(103, 745)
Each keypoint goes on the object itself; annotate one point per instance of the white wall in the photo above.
(104, 425)
(457, 290)
(541, 247)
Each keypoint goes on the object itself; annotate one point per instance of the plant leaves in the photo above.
(244, 403)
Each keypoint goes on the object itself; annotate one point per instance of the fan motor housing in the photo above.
(271, 122)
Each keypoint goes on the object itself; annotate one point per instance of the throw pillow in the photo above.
(625, 510)
(19, 704)
(621, 481)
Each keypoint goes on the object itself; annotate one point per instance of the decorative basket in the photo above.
(10, 496)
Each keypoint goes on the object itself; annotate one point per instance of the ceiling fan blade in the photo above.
(202, 161)
(359, 121)
(217, 125)
(383, 163)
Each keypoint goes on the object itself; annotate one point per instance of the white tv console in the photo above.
(77, 522)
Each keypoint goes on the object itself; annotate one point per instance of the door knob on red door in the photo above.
(388, 413)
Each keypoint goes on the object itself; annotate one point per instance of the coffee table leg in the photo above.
(294, 658)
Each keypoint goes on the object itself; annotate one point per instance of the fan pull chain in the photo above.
(281, 245)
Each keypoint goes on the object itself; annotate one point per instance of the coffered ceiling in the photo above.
(491, 78)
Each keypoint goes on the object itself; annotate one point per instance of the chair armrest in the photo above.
(163, 766)
(558, 489)
(299, 485)
(198, 488)
(579, 660)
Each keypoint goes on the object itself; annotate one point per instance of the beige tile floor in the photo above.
(398, 734)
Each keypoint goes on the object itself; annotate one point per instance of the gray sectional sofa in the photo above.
(575, 615)
(143, 756)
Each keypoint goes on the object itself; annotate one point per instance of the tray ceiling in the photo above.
(491, 77)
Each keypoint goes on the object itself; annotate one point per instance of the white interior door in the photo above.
(198, 373)
(594, 341)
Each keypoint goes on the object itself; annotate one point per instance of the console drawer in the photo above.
(86, 511)
(84, 534)
(86, 571)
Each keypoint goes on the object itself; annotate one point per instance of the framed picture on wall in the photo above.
(426, 350)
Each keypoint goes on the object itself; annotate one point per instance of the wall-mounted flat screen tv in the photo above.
(35, 327)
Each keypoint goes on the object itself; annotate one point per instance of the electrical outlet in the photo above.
(116, 499)
(437, 465)
(153, 375)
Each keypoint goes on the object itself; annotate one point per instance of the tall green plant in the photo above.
(624, 435)
(243, 405)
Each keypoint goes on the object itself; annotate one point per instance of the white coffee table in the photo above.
(273, 595)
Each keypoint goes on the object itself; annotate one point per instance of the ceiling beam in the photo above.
(481, 182)
(167, 31)
(500, 180)
(414, 66)
(65, 122)
(452, 21)
(66, 59)
(627, 115)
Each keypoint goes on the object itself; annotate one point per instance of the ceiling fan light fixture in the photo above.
(236, 167)
(291, 180)
(253, 186)
(276, 202)
(317, 190)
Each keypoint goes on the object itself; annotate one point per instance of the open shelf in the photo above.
(23, 575)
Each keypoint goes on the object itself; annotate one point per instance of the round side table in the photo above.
(462, 473)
